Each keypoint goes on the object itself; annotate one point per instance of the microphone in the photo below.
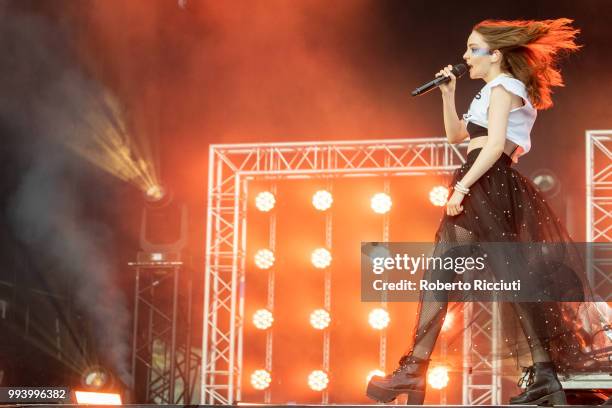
(458, 70)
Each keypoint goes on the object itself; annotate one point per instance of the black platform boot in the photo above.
(408, 378)
(543, 386)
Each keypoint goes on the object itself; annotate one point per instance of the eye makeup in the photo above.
(479, 52)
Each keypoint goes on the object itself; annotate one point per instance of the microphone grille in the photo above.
(459, 70)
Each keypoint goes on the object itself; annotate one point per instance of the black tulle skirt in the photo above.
(503, 206)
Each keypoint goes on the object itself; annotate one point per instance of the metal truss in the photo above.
(481, 368)
(163, 363)
(231, 166)
(599, 210)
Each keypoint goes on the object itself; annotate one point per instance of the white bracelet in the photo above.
(461, 185)
(461, 188)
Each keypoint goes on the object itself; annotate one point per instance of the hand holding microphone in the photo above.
(446, 79)
(448, 87)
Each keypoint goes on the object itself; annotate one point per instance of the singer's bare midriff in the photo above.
(482, 140)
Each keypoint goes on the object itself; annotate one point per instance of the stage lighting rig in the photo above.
(163, 230)
(96, 378)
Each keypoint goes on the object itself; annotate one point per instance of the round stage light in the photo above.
(264, 258)
(155, 193)
(379, 318)
(322, 200)
(547, 182)
(372, 373)
(318, 380)
(438, 196)
(438, 377)
(380, 203)
(260, 379)
(96, 378)
(263, 319)
(265, 201)
(319, 319)
(321, 258)
(448, 322)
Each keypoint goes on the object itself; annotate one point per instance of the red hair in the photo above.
(530, 50)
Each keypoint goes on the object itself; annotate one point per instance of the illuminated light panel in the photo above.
(380, 203)
(379, 318)
(265, 201)
(263, 319)
(157, 256)
(438, 377)
(318, 380)
(97, 398)
(264, 258)
(322, 200)
(321, 258)
(319, 319)
(261, 379)
(438, 196)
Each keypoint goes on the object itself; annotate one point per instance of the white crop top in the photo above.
(520, 120)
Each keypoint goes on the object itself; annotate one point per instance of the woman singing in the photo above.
(492, 202)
